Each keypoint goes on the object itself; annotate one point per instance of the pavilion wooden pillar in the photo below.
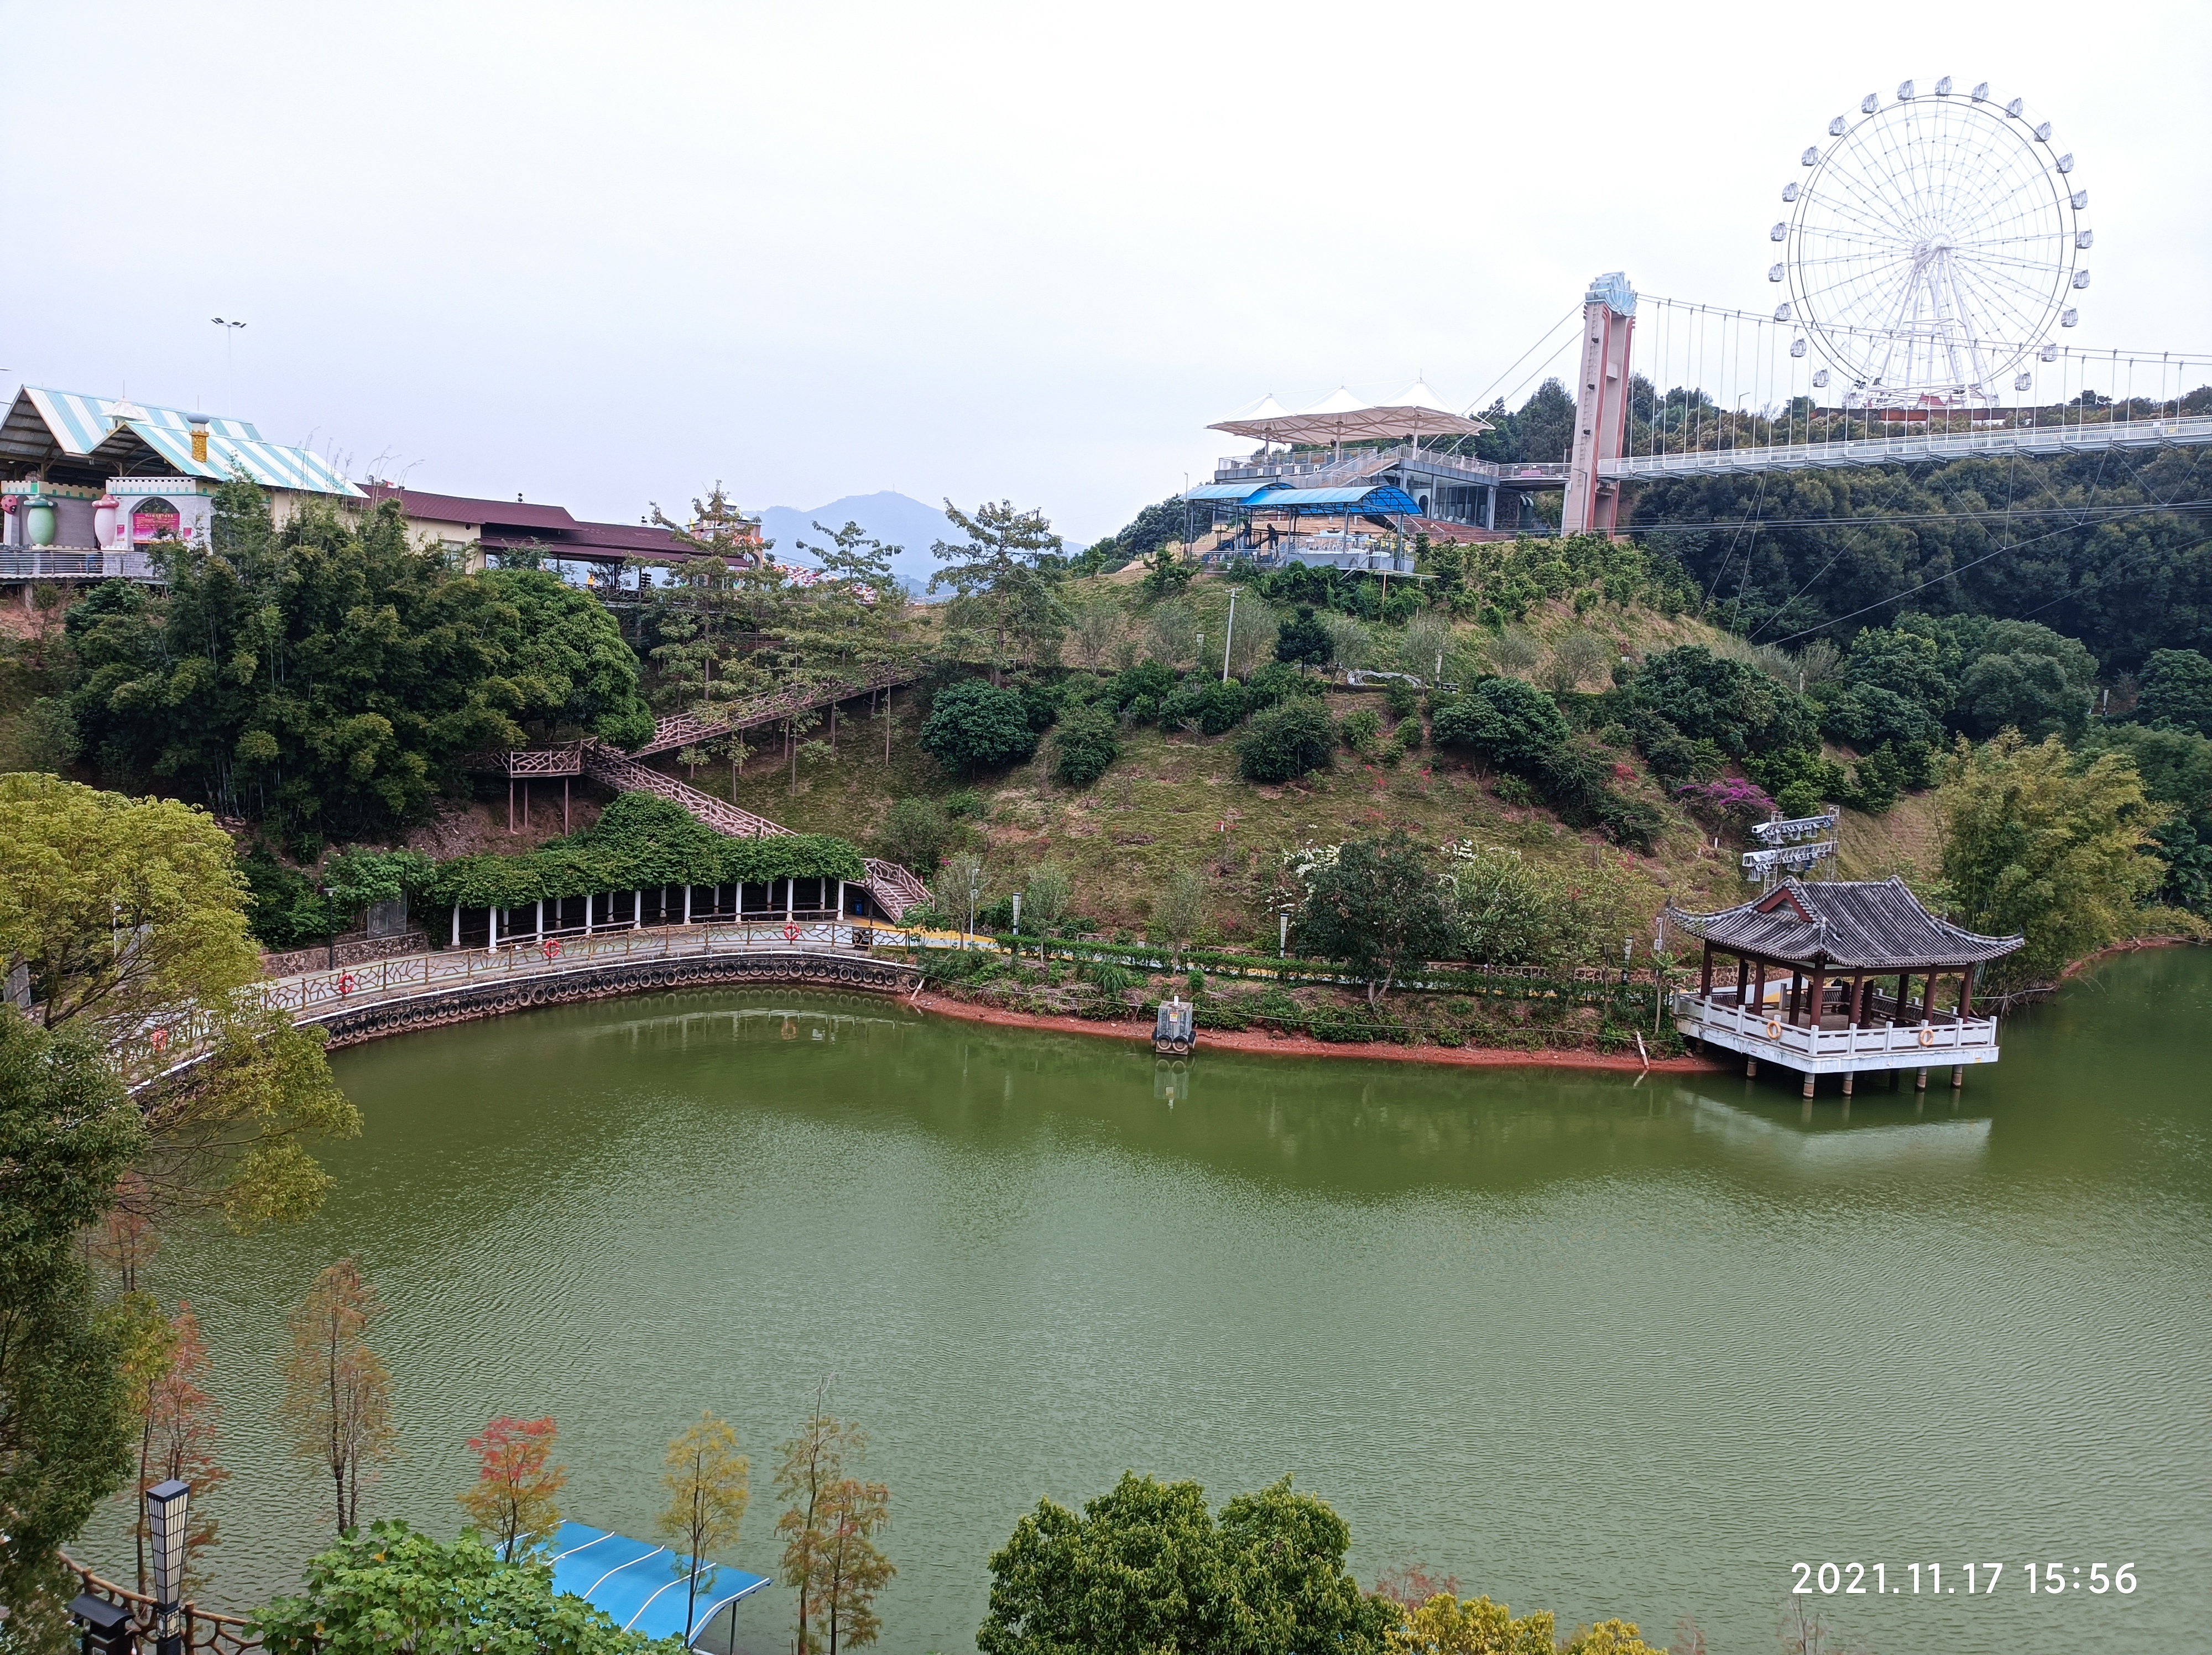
(1858, 1005)
(1706, 975)
(1743, 979)
(1796, 993)
(1966, 994)
(1812, 999)
(1758, 988)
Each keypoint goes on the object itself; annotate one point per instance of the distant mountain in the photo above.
(891, 518)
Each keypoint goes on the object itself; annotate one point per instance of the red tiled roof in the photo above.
(507, 525)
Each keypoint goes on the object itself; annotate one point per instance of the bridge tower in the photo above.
(1600, 406)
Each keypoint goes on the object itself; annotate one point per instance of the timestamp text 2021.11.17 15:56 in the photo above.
(1965, 1579)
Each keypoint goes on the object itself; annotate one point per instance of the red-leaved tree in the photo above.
(512, 1498)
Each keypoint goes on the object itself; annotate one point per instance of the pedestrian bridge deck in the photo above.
(1912, 449)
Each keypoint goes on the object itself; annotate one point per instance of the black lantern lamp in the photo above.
(105, 1627)
(166, 1505)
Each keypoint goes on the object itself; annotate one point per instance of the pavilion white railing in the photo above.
(1943, 1033)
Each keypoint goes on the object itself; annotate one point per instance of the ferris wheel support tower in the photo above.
(1593, 502)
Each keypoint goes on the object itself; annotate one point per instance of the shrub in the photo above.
(1401, 699)
(1709, 697)
(975, 725)
(1222, 707)
(917, 833)
(1150, 681)
(1285, 742)
(1360, 730)
(1504, 721)
(1278, 681)
(1304, 640)
(1087, 743)
(1408, 734)
(1048, 894)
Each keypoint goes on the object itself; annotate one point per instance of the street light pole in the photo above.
(229, 371)
(167, 1504)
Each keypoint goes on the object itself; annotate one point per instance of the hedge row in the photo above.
(640, 843)
(1506, 982)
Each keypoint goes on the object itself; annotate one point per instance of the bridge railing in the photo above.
(2093, 437)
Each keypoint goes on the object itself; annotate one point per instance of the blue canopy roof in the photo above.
(643, 1587)
(1331, 502)
(1230, 491)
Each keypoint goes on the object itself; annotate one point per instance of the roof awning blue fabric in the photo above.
(1331, 502)
(1228, 491)
(642, 1587)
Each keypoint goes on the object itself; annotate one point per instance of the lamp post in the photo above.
(229, 375)
(975, 890)
(167, 1504)
(1017, 925)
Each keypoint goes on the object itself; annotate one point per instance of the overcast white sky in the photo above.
(606, 254)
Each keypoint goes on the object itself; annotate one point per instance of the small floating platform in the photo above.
(1175, 1030)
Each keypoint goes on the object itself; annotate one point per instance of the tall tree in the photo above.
(177, 1441)
(330, 677)
(130, 917)
(1145, 1566)
(338, 1393)
(512, 1500)
(2038, 842)
(830, 1521)
(854, 1570)
(1004, 578)
(709, 1485)
(1378, 909)
(67, 1132)
(391, 1590)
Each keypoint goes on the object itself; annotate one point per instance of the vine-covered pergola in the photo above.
(646, 861)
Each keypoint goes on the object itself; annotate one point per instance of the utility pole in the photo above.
(1229, 636)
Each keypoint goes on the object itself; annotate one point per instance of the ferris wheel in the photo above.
(1932, 245)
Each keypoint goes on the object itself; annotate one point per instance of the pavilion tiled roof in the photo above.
(1871, 925)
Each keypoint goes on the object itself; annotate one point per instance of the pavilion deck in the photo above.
(1886, 1037)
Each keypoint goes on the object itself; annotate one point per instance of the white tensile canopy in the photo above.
(1340, 417)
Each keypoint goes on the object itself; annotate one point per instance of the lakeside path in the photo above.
(1304, 1045)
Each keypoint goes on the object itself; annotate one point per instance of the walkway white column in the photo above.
(457, 925)
(687, 904)
(636, 910)
(789, 897)
(588, 913)
(494, 911)
(541, 920)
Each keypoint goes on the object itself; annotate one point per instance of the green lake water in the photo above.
(1591, 1345)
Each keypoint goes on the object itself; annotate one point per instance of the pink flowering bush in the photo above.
(1732, 801)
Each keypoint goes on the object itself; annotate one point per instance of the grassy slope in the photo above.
(1177, 799)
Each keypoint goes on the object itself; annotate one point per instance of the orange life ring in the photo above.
(160, 1038)
(552, 947)
(345, 982)
(791, 934)
(1927, 1035)
(1773, 1029)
